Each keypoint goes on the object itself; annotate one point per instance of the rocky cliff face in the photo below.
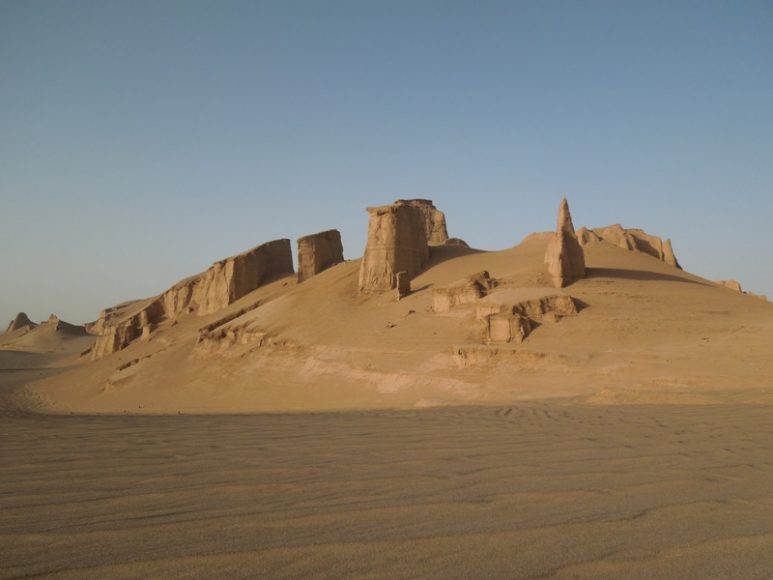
(397, 242)
(434, 220)
(223, 284)
(20, 321)
(565, 257)
(636, 240)
(317, 252)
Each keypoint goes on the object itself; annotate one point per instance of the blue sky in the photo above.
(141, 141)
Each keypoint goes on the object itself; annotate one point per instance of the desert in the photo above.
(573, 406)
(406, 289)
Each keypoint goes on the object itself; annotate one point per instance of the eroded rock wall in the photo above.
(631, 239)
(317, 252)
(221, 285)
(397, 242)
(434, 220)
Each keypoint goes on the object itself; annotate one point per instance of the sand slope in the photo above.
(646, 332)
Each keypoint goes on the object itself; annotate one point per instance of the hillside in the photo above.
(644, 331)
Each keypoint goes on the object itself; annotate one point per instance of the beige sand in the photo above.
(538, 489)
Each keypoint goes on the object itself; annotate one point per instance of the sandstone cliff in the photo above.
(636, 240)
(397, 242)
(222, 284)
(317, 252)
(564, 256)
(434, 220)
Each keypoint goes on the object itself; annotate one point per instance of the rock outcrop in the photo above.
(735, 286)
(456, 242)
(317, 252)
(636, 240)
(434, 220)
(20, 321)
(397, 242)
(466, 291)
(221, 285)
(511, 315)
(731, 284)
(564, 256)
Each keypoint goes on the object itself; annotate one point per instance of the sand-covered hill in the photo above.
(475, 327)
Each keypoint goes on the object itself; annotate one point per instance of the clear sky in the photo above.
(142, 140)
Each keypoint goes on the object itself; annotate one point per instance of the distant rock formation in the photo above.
(317, 252)
(732, 284)
(564, 256)
(221, 285)
(434, 220)
(397, 241)
(735, 285)
(20, 321)
(456, 242)
(636, 240)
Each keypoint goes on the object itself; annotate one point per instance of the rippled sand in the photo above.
(533, 490)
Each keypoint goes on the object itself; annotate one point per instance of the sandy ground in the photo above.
(539, 489)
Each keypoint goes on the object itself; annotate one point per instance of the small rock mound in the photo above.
(466, 291)
(511, 315)
(732, 284)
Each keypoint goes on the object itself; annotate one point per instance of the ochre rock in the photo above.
(564, 256)
(510, 315)
(20, 321)
(466, 291)
(317, 252)
(636, 240)
(456, 242)
(397, 242)
(434, 220)
(221, 285)
(732, 284)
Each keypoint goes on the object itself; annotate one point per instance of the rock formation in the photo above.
(20, 321)
(434, 220)
(221, 285)
(397, 242)
(466, 291)
(732, 284)
(564, 256)
(511, 315)
(456, 242)
(636, 240)
(317, 252)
